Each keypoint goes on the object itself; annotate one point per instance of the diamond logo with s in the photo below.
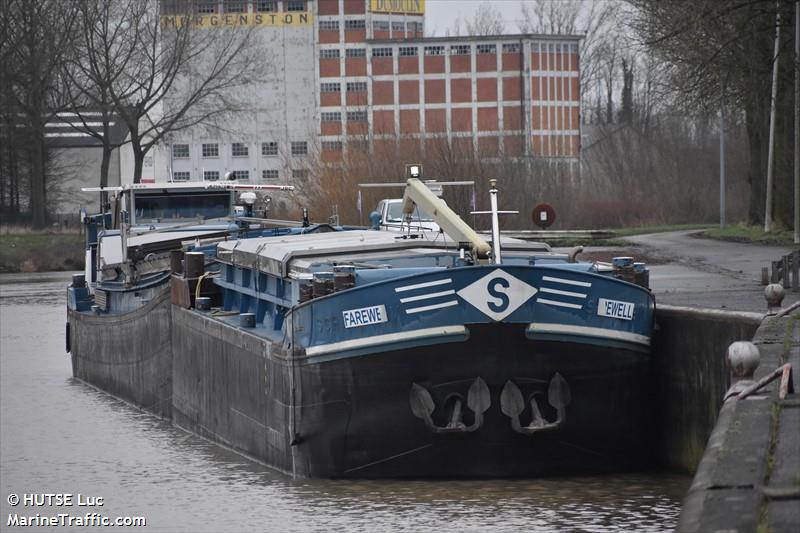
(497, 294)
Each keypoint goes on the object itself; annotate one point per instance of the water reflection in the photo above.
(61, 435)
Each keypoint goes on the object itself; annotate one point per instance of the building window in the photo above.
(266, 6)
(511, 48)
(356, 116)
(269, 175)
(328, 25)
(331, 116)
(358, 145)
(487, 49)
(331, 146)
(180, 151)
(380, 25)
(460, 50)
(573, 48)
(239, 150)
(174, 7)
(269, 149)
(434, 50)
(415, 27)
(234, 6)
(329, 53)
(330, 87)
(355, 52)
(300, 173)
(211, 175)
(241, 175)
(211, 150)
(296, 5)
(406, 51)
(398, 26)
(299, 148)
(206, 6)
(181, 176)
(356, 86)
(381, 52)
(354, 24)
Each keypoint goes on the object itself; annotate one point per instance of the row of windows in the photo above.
(244, 175)
(354, 145)
(351, 86)
(356, 86)
(455, 50)
(208, 7)
(397, 26)
(210, 150)
(358, 24)
(331, 146)
(336, 116)
(356, 116)
(333, 53)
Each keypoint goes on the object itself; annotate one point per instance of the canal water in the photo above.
(61, 436)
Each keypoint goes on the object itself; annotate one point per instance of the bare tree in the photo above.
(488, 20)
(172, 74)
(38, 36)
(719, 49)
(100, 62)
(600, 25)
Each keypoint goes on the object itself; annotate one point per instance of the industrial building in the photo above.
(358, 74)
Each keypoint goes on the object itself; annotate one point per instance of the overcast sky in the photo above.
(442, 14)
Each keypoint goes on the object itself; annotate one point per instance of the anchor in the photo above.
(512, 405)
(478, 400)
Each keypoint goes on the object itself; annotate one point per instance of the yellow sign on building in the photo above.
(238, 19)
(408, 7)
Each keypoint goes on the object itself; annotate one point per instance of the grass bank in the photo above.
(41, 252)
(617, 234)
(753, 234)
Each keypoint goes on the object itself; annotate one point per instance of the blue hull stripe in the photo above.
(587, 331)
(389, 338)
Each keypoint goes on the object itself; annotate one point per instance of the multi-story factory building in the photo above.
(360, 75)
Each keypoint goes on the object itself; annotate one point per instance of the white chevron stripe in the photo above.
(567, 281)
(444, 281)
(563, 293)
(413, 310)
(426, 296)
(558, 304)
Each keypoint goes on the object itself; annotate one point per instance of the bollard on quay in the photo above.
(743, 360)
(774, 293)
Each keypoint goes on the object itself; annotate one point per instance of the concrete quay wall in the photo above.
(749, 476)
(690, 377)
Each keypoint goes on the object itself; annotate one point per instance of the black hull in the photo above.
(354, 417)
(127, 355)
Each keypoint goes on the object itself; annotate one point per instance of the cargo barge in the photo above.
(377, 355)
